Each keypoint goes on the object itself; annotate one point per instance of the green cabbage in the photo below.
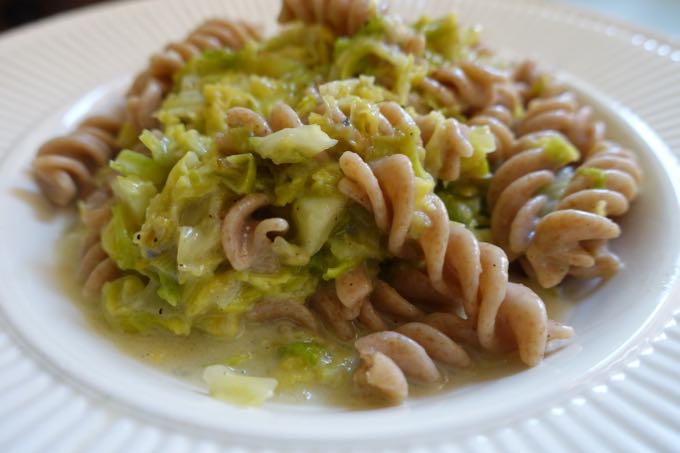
(474, 166)
(355, 240)
(130, 163)
(293, 145)
(217, 303)
(303, 362)
(308, 362)
(238, 172)
(133, 306)
(483, 143)
(191, 193)
(558, 149)
(118, 239)
(596, 176)
(370, 56)
(464, 201)
(445, 39)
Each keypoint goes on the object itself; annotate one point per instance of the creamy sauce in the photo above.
(256, 350)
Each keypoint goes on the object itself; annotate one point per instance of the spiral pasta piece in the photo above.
(414, 285)
(96, 267)
(378, 301)
(444, 139)
(211, 34)
(469, 272)
(271, 310)
(438, 346)
(499, 118)
(411, 357)
(281, 116)
(353, 289)
(409, 351)
(380, 374)
(561, 113)
(65, 167)
(343, 17)
(246, 242)
(150, 87)
(325, 302)
(143, 99)
(562, 241)
(610, 174)
(468, 85)
(535, 81)
(386, 302)
(602, 186)
(446, 143)
(453, 326)
(392, 211)
(374, 304)
(512, 193)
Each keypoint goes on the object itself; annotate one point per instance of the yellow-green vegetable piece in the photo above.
(225, 384)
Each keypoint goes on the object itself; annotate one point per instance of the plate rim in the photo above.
(95, 9)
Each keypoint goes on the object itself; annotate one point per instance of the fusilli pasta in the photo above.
(246, 242)
(65, 167)
(561, 113)
(471, 273)
(572, 240)
(150, 87)
(467, 85)
(344, 17)
(96, 268)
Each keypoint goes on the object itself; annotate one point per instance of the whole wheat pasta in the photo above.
(410, 356)
(65, 167)
(379, 373)
(610, 170)
(586, 199)
(562, 113)
(468, 85)
(438, 346)
(385, 308)
(471, 273)
(408, 351)
(326, 303)
(353, 288)
(452, 145)
(282, 116)
(534, 81)
(563, 240)
(246, 241)
(379, 308)
(150, 87)
(143, 99)
(513, 193)
(271, 310)
(96, 268)
(500, 118)
(344, 17)
(499, 121)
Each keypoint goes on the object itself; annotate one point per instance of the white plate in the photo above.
(63, 388)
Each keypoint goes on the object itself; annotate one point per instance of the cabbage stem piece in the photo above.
(226, 385)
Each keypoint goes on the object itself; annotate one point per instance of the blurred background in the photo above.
(660, 15)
